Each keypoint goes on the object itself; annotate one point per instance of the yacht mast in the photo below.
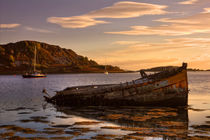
(34, 58)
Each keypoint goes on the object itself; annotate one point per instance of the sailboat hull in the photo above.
(34, 76)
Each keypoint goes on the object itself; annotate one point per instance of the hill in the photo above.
(17, 58)
(161, 68)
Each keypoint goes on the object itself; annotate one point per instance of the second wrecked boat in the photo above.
(166, 88)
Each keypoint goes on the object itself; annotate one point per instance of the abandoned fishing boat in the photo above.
(166, 88)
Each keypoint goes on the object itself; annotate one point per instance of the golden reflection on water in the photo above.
(29, 122)
(139, 121)
(110, 123)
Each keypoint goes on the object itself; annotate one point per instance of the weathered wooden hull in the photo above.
(170, 89)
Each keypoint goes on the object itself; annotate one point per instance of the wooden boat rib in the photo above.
(167, 88)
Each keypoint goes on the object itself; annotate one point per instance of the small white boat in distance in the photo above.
(106, 72)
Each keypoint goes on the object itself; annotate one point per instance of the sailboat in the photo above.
(34, 73)
(106, 72)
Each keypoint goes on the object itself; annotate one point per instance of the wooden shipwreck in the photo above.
(166, 88)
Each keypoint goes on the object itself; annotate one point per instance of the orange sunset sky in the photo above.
(132, 34)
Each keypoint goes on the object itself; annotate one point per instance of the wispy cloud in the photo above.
(206, 10)
(128, 9)
(199, 23)
(38, 30)
(9, 26)
(125, 9)
(75, 22)
(200, 42)
(142, 63)
(170, 52)
(125, 42)
(168, 44)
(186, 2)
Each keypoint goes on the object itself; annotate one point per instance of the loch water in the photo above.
(25, 115)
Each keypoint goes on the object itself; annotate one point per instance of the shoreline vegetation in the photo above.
(20, 73)
(17, 58)
(162, 68)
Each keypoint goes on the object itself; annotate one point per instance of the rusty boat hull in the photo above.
(167, 88)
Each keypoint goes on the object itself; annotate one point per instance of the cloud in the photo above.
(38, 30)
(188, 2)
(143, 48)
(137, 64)
(75, 22)
(206, 10)
(9, 26)
(128, 9)
(164, 30)
(168, 44)
(137, 54)
(125, 42)
(125, 9)
(199, 23)
(201, 42)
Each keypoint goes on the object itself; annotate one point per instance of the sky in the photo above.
(131, 34)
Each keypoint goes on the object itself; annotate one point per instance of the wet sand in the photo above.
(103, 123)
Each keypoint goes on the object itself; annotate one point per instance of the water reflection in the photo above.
(24, 114)
(141, 121)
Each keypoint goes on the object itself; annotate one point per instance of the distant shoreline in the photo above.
(187, 70)
(99, 72)
(70, 73)
(162, 68)
(18, 58)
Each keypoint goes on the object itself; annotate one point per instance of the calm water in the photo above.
(25, 114)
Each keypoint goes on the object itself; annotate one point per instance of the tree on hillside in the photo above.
(11, 60)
